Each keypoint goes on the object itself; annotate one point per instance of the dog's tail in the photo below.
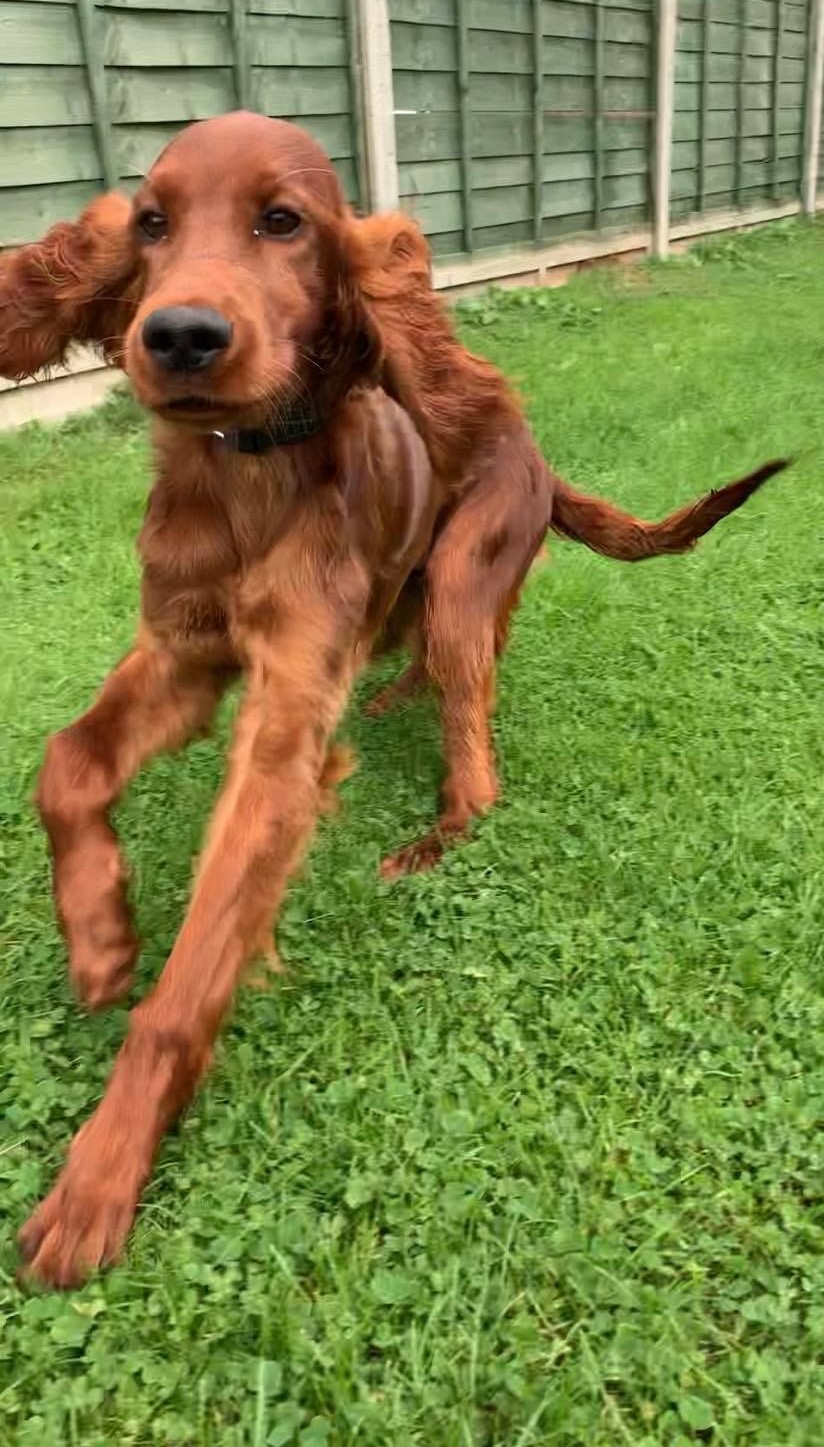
(617, 534)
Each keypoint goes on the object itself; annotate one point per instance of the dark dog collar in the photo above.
(286, 428)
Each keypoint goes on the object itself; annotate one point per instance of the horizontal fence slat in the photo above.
(28, 211)
(722, 96)
(36, 96)
(424, 47)
(760, 13)
(141, 39)
(39, 34)
(47, 155)
(318, 9)
(722, 178)
(725, 39)
(415, 93)
(722, 151)
(189, 7)
(159, 95)
(300, 9)
(623, 27)
(297, 91)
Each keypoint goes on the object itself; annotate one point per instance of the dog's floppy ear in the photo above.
(448, 391)
(391, 265)
(389, 250)
(392, 268)
(78, 284)
(348, 346)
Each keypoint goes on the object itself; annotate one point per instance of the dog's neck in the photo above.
(295, 423)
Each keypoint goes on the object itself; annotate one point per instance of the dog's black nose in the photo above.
(186, 338)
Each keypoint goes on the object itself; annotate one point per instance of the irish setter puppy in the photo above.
(300, 518)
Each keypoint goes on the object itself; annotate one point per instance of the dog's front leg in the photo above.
(299, 679)
(154, 700)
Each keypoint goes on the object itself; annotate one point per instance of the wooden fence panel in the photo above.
(428, 125)
(816, 50)
(741, 77)
(603, 126)
(517, 122)
(522, 120)
(84, 107)
(45, 103)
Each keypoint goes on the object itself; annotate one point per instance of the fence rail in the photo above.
(507, 127)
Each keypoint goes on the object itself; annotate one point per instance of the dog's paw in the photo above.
(415, 858)
(81, 1226)
(101, 961)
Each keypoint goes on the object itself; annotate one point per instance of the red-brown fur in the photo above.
(291, 568)
(503, 498)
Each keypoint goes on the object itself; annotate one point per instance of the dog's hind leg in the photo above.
(474, 579)
(403, 628)
(411, 682)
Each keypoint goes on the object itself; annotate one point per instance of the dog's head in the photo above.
(247, 304)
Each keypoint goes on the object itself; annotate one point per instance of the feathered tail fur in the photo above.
(605, 529)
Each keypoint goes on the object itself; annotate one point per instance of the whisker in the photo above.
(307, 357)
(305, 171)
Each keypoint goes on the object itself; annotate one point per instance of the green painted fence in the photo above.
(517, 122)
(523, 121)
(740, 98)
(89, 94)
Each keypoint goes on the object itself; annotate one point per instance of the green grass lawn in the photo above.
(529, 1150)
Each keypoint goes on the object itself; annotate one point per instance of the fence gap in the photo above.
(91, 39)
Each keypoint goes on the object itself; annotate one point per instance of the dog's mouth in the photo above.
(199, 411)
(191, 404)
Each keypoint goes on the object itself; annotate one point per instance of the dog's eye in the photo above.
(152, 225)
(278, 221)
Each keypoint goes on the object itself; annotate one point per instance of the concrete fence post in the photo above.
(815, 83)
(378, 104)
(664, 104)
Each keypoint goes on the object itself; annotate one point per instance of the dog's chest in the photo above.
(191, 565)
(215, 567)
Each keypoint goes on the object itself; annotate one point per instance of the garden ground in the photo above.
(527, 1151)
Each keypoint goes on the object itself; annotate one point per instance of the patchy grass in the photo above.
(527, 1151)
